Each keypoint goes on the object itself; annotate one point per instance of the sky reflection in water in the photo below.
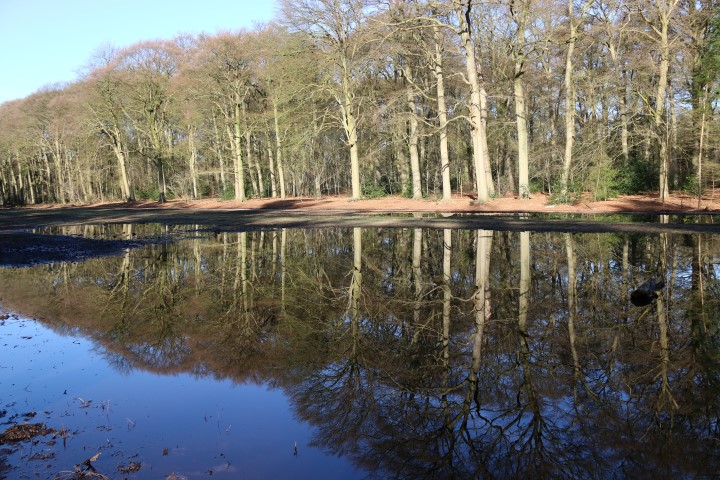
(234, 430)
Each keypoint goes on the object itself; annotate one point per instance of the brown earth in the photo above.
(538, 203)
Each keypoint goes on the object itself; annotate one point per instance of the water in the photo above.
(410, 353)
(130, 415)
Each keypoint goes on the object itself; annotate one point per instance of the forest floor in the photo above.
(538, 203)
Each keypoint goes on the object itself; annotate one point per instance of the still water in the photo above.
(355, 353)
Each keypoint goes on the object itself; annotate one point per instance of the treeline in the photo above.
(418, 98)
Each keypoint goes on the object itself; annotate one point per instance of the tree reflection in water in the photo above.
(424, 353)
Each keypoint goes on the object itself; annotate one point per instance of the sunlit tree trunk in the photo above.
(260, 185)
(659, 22)
(701, 147)
(622, 100)
(347, 105)
(660, 124)
(569, 102)
(522, 133)
(442, 115)
(256, 180)
(59, 174)
(252, 170)
(220, 156)
(400, 157)
(119, 149)
(271, 168)
(413, 126)
(237, 151)
(478, 104)
(278, 150)
(520, 12)
(193, 160)
(31, 188)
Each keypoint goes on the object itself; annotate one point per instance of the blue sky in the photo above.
(47, 41)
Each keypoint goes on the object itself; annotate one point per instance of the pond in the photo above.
(384, 352)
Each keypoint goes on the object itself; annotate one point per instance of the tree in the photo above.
(658, 17)
(439, 73)
(149, 69)
(703, 30)
(478, 101)
(520, 10)
(107, 111)
(227, 71)
(336, 32)
(574, 24)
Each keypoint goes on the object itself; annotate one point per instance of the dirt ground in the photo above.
(538, 203)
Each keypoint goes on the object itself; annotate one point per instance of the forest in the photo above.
(422, 98)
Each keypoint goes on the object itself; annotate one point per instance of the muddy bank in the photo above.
(263, 218)
(21, 249)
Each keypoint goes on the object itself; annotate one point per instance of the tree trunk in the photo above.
(251, 165)
(520, 11)
(271, 168)
(257, 181)
(442, 117)
(119, 149)
(699, 158)
(413, 136)
(569, 104)
(624, 125)
(256, 163)
(237, 151)
(477, 101)
(193, 160)
(220, 156)
(162, 186)
(347, 106)
(57, 161)
(400, 158)
(483, 139)
(278, 151)
(522, 133)
(661, 134)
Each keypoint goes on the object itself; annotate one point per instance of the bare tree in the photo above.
(575, 21)
(336, 28)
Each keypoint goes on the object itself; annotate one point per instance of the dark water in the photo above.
(401, 353)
